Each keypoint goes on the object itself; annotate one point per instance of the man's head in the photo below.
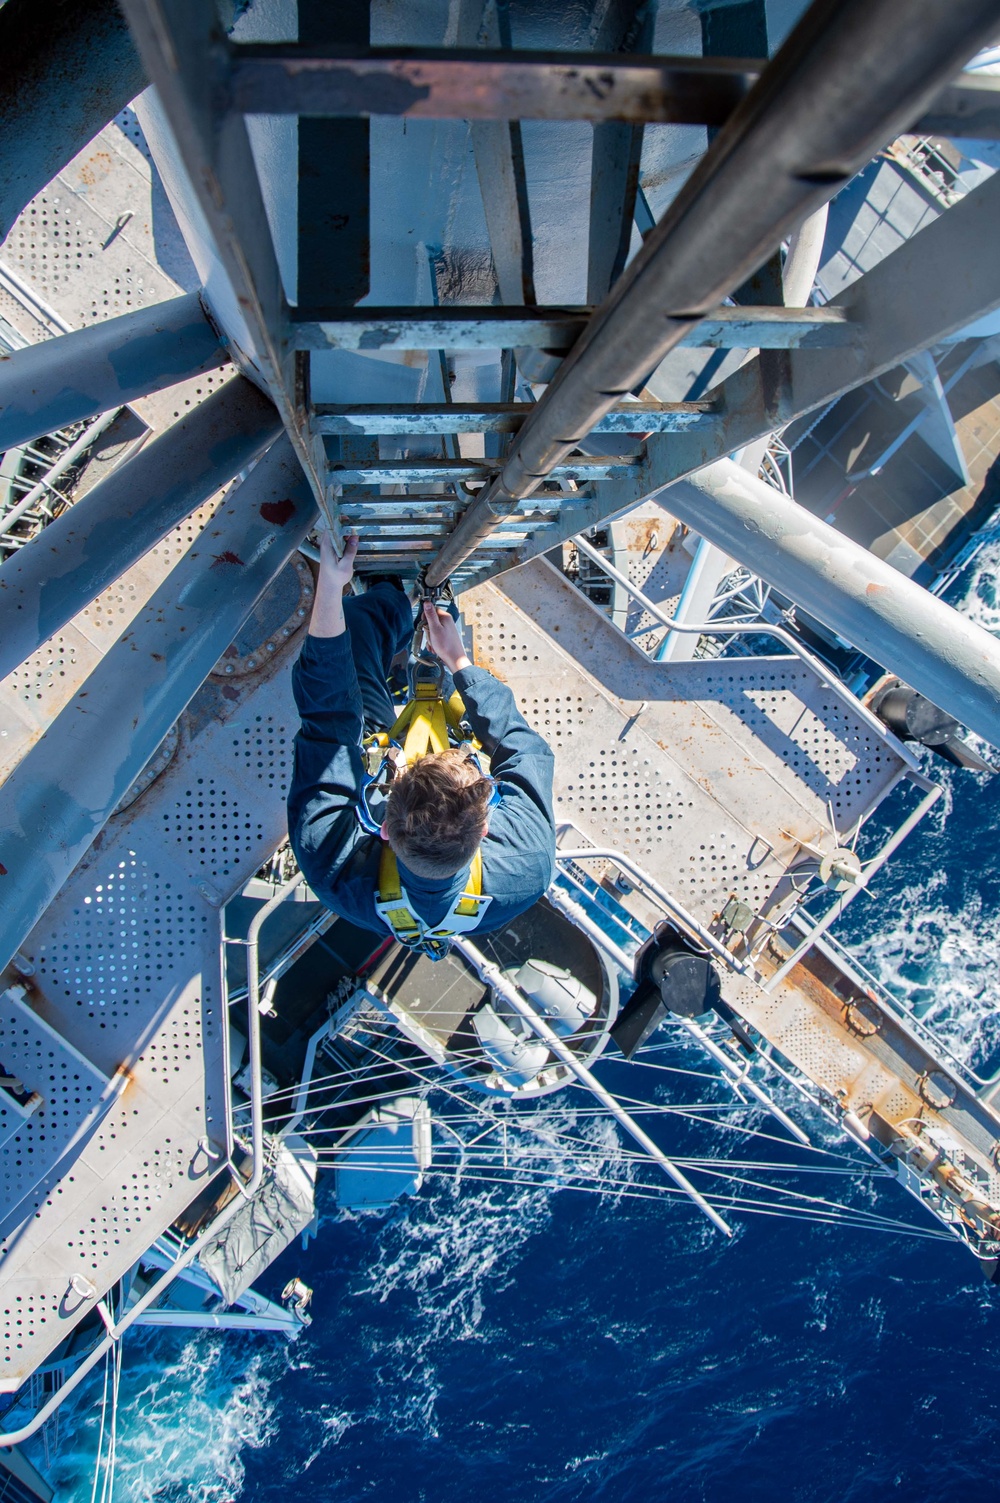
(436, 815)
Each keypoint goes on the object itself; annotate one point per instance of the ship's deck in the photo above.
(708, 773)
(126, 969)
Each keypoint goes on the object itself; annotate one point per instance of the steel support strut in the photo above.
(849, 78)
(943, 654)
(931, 288)
(75, 376)
(204, 156)
(55, 803)
(60, 571)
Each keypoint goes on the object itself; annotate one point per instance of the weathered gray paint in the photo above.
(75, 376)
(931, 287)
(938, 651)
(501, 326)
(497, 417)
(847, 80)
(408, 471)
(69, 66)
(60, 571)
(62, 794)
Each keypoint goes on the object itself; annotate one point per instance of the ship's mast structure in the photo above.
(353, 332)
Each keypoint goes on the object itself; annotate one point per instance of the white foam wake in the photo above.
(185, 1418)
(944, 963)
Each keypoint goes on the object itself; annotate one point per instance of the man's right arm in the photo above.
(328, 771)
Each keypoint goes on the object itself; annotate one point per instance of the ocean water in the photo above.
(530, 1343)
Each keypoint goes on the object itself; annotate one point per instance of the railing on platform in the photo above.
(116, 1328)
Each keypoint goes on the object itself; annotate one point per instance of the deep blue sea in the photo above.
(533, 1344)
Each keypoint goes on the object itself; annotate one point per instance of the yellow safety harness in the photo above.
(426, 724)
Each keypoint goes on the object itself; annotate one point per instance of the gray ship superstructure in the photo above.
(678, 367)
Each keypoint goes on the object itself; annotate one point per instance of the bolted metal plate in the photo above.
(277, 617)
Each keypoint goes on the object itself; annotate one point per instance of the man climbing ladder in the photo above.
(456, 850)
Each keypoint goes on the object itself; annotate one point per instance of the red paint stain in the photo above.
(277, 512)
(3, 870)
(227, 558)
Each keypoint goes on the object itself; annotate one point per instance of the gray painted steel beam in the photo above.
(472, 84)
(849, 78)
(69, 66)
(409, 471)
(930, 645)
(56, 802)
(616, 155)
(498, 327)
(180, 44)
(455, 83)
(627, 26)
(496, 417)
(60, 571)
(969, 107)
(499, 156)
(930, 288)
(75, 376)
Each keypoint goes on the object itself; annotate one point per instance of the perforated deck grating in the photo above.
(127, 968)
(32, 696)
(695, 770)
(71, 1096)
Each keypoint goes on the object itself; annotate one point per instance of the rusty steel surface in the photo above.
(868, 1059)
(474, 84)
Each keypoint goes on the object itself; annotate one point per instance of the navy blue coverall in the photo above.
(340, 691)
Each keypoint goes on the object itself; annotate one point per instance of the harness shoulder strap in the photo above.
(393, 906)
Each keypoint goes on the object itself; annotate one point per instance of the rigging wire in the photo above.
(853, 1218)
(793, 1203)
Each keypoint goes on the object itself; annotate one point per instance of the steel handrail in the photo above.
(494, 977)
(673, 907)
(116, 1330)
(780, 634)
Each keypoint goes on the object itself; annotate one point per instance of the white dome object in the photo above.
(518, 1061)
(561, 998)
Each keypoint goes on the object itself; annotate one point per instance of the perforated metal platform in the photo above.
(68, 1094)
(127, 971)
(709, 774)
(94, 244)
(33, 695)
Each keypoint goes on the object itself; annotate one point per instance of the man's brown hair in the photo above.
(436, 812)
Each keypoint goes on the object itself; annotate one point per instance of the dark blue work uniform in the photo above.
(339, 687)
